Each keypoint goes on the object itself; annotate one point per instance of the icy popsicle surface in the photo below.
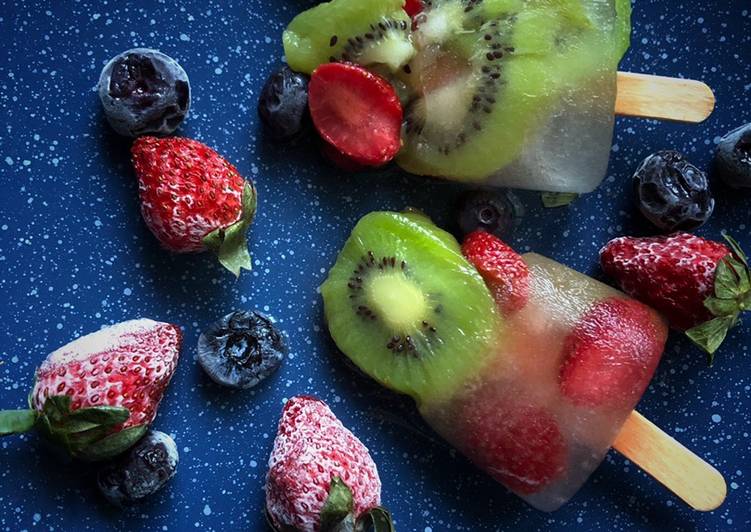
(517, 93)
(534, 392)
(568, 370)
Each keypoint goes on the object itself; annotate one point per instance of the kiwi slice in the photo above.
(405, 306)
(488, 73)
(368, 32)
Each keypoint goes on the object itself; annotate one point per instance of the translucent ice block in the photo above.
(567, 370)
(545, 122)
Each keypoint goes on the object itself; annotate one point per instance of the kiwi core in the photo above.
(396, 300)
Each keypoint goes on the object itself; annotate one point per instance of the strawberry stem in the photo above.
(16, 421)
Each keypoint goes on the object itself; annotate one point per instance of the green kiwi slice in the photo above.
(368, 32)
(405, 306)
(488, 73)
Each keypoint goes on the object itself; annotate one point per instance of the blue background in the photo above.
(74, 255)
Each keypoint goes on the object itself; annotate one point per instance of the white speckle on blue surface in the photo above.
(207, 510)
(716, 418)
(9, 160)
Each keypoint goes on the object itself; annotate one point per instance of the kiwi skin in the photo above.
(446, 322)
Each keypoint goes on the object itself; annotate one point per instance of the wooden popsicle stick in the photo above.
(678, 469)
(679, 100)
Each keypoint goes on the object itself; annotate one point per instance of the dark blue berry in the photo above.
(672, 193)
(241, 349)
(141, 471)
(144, 92)
(495, 212)
(283, 104)
(733, 158)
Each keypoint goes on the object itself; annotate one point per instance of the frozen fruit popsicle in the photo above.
(527, 367)
(514, 93)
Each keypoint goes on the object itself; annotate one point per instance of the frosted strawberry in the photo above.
(502, 268)
(97, 395)
(321, 477)
(192, 199)
(701, 286)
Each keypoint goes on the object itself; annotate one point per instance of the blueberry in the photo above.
(241, 349)
(672, 193)
(141, 471)
(733, 157)
(144, 92)
(283, 104)
(496, 212)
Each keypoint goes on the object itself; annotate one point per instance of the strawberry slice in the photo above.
(519, 444)
(356, 111)
(611, 354)
(413, 7)
(340, 160)
(503, 269)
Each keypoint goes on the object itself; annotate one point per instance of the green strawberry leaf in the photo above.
(56, 408)
(376, 519)
(82, 437)
(112, 445)
(101, 415)
(709, 335)
(231, 243)
(741, 271)
(725, 281)
(558, 199)
(736, 248)
(16, 421)
(338, 507)
(722, 307)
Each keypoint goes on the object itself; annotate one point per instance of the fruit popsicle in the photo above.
(527, 367)
(502, 92)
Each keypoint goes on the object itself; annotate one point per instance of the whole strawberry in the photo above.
(699, 285)
(321, 477)
(97, 395)
(503, 269)
(192, 199)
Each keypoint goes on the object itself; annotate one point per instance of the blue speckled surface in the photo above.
(74, 254)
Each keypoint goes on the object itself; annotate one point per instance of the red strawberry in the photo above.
(356, 111)
(316, 462)
(192, 199)
(97, 395)
(340, 160)
(413, 7)
(611, 354)
(696, 283)
(517, 443)
(502, 268)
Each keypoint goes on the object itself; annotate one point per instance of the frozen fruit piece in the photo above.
(283, 104)
(241, 349)
(142, 471)
(610, 355)
(502, 268)
(97, 395)
(404, 305)
(367, 32)
(672, 193)
(495, 212)
(413, 7)
(701, 286)
(192, 199)
(673, 274)
(733, 157)
(357, 112)
(518, 443)
(314, 455)
(340, 160)
(144, 92)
